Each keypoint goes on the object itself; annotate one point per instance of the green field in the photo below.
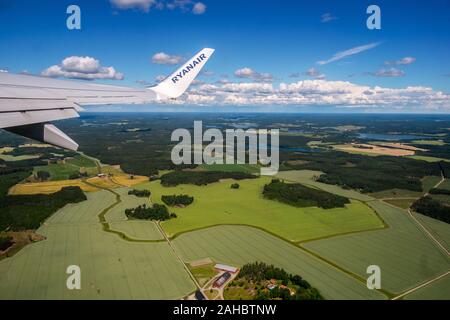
(238, 245)
(58, 171)
(401, 203)
(429, 142)
(231, 167)
(404, 253)
(217, 204)
(396, 193)
(439, 290)
(445, 184)
(111, 268)
(429, 159)
(439, 229)
(81, 161)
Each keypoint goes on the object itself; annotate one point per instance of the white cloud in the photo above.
(3, 71)
(343, 54)
(146, 5)
(321, 93)
(199, 8)
(392, 72)
(164, 58)
(160, 78)
(143, 5)
(327, 17)
(403, 61)
(248, 73)
(86, 68)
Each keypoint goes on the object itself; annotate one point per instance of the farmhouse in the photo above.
(224, 267)
(221, 280)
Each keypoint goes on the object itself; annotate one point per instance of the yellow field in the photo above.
(125, 180)
(6, 149)
(373, 150)
(399, 146)
(48, 187)
(103, 182)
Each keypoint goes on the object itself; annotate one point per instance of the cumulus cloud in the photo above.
(403, 61)
(86, 68)
(3, 71)
(343, 54)
(143, 5)
(392, 72)
(327, 17)
(249, 73)
(319, 93)
(198, 8)
(146, 5)
(164, 58)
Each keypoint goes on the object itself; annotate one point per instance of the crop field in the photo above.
(238, 245)
(232, 167)
(374, 150)
(439, 290)
(111, 268)
(126, 180)
(58, 171)
(439, 229)
(404, 253)
(127, 201)
(48, 187)
(429, 159)
(429, 182)
(429, 142)
(396, 193)
(140, 230)
(401, 203)
(217, 204)
(81, 161)
(445, 184)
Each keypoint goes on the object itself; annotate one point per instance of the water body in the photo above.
(389, 137)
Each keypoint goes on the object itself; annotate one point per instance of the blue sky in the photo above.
(274, 46)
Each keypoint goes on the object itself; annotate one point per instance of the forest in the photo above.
(200, 178)
(432, 208)
(157, 212)
(177, 200)
(298, 195)
(27, 212)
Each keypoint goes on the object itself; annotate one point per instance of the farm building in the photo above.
(224, 267)
(221, 280)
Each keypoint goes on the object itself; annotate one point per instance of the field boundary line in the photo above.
(421, 286)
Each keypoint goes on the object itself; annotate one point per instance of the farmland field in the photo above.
(238, 245)
(58, 171)
(111, 267)
(48, 187)
(440, 229)
(403, 252)
(246, 205)
(440, 290)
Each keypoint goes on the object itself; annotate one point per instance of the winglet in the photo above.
(177, 83)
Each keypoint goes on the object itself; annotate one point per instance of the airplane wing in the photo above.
(29, 103)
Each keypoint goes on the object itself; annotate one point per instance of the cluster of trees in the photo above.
(439, 191)
(199, 178)
(432, 208)
(140, 193)
(156, 212)
(25, 212)
(177, 200)
(235, 186)
(5, 243)
(42, 175)
(298, 195)
(367, 174)
(259, 271)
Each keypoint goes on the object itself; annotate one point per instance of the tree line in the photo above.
(157, 212)
(298, 195)
(200, 178)
(177, 200)
(432, 208)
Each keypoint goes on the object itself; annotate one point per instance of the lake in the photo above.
(389, 137)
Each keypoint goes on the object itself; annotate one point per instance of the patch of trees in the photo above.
(177, 200)
(364, 173)
(258, 272)
(432, 208)
(140, 193)
(235, 186)
(42, 175)
(156, 212)
(200, 178)
(298, 195)
(24, 212)
(439, 191)
(5, 243)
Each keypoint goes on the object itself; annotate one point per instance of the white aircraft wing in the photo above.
(29, 103)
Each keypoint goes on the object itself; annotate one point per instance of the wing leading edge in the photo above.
(29, 103)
